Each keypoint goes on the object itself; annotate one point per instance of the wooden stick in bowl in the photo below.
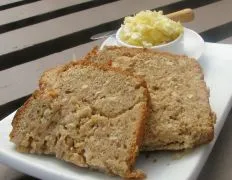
(184, 15)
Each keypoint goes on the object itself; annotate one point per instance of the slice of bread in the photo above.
(181, 116)
(87, 114)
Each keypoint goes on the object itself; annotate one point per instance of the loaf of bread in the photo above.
(181, 116)
(87, 114)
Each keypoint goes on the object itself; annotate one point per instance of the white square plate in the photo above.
(216, 63)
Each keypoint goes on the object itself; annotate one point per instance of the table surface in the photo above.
(38, 34)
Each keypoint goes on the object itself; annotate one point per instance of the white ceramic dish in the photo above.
(190, 44)
(216, 64)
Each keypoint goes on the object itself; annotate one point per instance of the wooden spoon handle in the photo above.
(184, 15)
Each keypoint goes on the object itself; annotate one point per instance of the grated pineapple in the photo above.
(149, 28)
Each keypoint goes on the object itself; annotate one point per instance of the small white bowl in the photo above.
(171, 46)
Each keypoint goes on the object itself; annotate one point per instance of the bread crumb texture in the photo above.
(86, 114)
(181, 116)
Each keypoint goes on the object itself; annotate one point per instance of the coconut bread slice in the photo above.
(181, 116)
(87, 114)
